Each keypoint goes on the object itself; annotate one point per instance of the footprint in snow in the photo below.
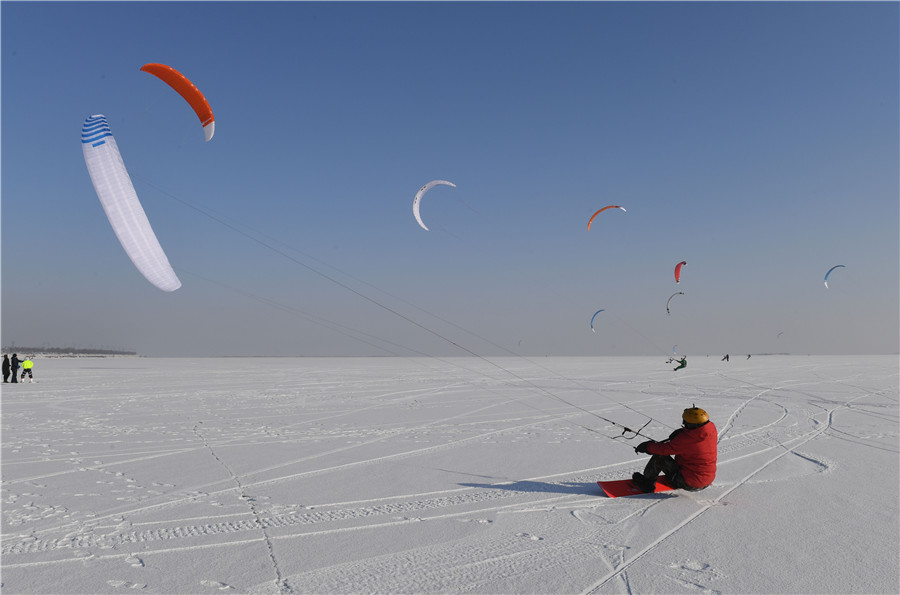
(693, 567)
(531, 537)
(125, 584)
(216, 585)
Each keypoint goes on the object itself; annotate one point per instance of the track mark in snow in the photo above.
(480, 521)
(473, 567)
(695, 575)
(216, 585)
(588, 517)
(786, 450)
(123, 534)
(125, 585)
(254, 511)
(529, 536)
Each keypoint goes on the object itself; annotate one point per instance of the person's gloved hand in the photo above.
(642, 447)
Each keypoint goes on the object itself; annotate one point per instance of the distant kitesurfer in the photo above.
(694, 447)
(682, 363)
(725, 359)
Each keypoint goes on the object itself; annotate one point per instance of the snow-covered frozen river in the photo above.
(393, 475)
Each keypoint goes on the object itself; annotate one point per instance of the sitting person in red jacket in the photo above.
(694, 447)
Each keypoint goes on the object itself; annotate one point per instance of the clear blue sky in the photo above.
(756, 141)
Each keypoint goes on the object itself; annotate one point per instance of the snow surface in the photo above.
(394, 475)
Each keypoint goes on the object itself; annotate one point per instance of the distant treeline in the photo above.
(66, 351)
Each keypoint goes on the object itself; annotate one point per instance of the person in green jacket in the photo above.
(27, 365)
(682, 363)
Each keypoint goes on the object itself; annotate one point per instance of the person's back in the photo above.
(27, 365)
(688, 456)
(695, 451)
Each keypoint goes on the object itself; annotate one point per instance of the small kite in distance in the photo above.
(670, 299)
(837, 266)
(418, 199)
(678, 270)
(591, 220)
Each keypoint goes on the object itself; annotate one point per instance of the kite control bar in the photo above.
(635, 433)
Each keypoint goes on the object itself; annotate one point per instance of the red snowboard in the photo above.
(627, 487)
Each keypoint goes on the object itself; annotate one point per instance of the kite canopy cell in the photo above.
(123, 209)
(188, 91)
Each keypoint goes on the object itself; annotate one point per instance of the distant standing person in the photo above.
(5, 368)
(26, 369)
(14, 367)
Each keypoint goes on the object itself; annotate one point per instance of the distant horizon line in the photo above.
(61, 352)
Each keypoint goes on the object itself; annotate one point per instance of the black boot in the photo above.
(643, 483)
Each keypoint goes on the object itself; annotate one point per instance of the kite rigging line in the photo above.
(269, 246)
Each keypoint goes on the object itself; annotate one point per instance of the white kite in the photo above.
(418, 199)
(120, 201)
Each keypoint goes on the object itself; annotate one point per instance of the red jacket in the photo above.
(695, 453)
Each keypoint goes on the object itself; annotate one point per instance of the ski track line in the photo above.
(207, 529)
(790, 386)
(395, 456)
(419, 393)
(219, 492)
(803, 440)
(35, 545)
(143, 553)
(623, 569)
(99, 467)
(393, 434)
(171, 503)
(257, 520)
(787, 385)
(473, 496)
(579, 472)
(231, 441)
(432, 568)
(294, 519)
(755, 430)
(228, 442)
(146, 451)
